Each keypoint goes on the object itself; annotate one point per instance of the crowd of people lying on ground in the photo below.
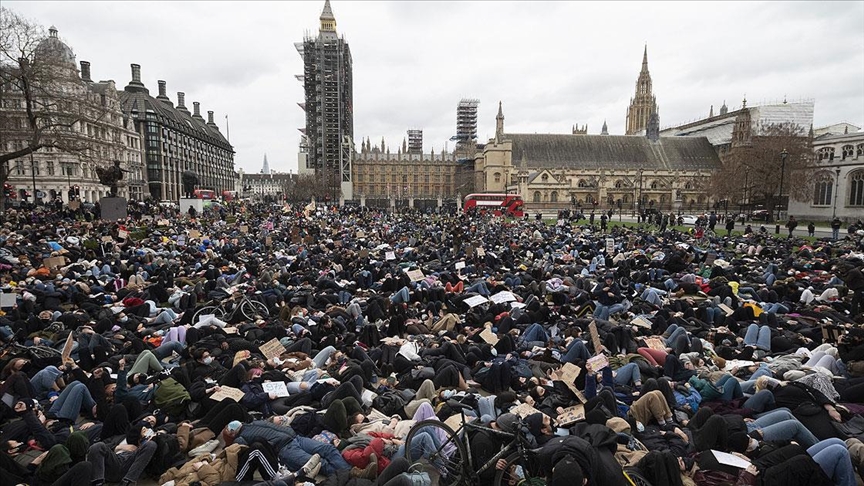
(623, 357)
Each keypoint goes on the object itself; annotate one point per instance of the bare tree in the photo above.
(305, 187)
(755, 169)
(42, 98)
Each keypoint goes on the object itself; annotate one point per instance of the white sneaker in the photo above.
(283, 474)
(312, 466)
(204, 448)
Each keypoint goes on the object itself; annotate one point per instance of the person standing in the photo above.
(730, 225)
(791, 225)
(811, 229)
(835, 228)
(712, 221)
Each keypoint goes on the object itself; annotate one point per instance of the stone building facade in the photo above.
(838, 165)
(259, 186)
(557, 171)
(176, 140)
(101, 135)
(383, 179)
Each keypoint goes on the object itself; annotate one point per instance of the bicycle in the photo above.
(702, 237)
(453, 460)
(248, 307)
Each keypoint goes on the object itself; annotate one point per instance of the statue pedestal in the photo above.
(186, 203)
(113, 208)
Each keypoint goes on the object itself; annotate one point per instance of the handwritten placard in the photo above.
(454, 421)
(268, 241)
(595, 337)
(656, 343)
(163, 222)
(277, 388)
(460, 265)
(389, 255)
(571, 415)
(596, 363)
(726, 309)
(227, 392)
(66, 354)
(641, 322)
(523, 410)
(475, 301)
(54, 262)
(122, 234)
(272, 349)
(489, 336)
(610, 246)
(8, 300)
(503, 296)
(415, 275)
(568, 374)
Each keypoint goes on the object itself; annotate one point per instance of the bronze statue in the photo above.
(190, 180)
(111, 177)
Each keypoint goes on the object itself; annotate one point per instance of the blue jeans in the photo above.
(576, 351)
(731, 388)
(674, 333)
(835, 233)
(295, 454)
(780, 425)
(628, 374)
(775, 308)
(670, 284)
(652, 296)
(486, 406)
(535, 333)
(604, 311)
(70, 402)
(321, 358)
(749, 386)
(479, 288)
(760, 401)
(166, 348)
(833, 457)
(422, 445)
(759, 336)
(401, 296)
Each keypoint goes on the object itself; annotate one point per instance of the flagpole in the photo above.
(227, 130)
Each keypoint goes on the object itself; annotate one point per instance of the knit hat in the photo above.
(567, 472)
(738, 442)
(507, 422)
(534, 423)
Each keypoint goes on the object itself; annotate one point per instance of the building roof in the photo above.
(719, 128)
(614, 152)
(140, 101)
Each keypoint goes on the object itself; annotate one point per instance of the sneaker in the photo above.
(283, 474)
(205, 448)
(312, 466)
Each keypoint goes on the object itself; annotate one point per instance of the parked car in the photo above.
(760, 215)
(689, 220)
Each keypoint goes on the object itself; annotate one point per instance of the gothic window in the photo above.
(653, 184)
(497, 177)
(856, 188)
(583, 183)
(823, 189)
(404, 178)
(627, 198)
(619, 184)
(826, 153)
(536, 196)
(553, 197)
(860, 150)
(848, 151)
(688, 185)
(662, 198)
(545, 177)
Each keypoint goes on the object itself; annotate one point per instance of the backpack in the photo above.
(389, 402)
(167, 455)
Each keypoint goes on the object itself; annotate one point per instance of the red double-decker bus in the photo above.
(499, 204)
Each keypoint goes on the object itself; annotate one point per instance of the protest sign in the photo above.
(475, 301)
(277, 388)
(641, 322)
(523, 410)
(489, 336)
(610, 246)
(595, 337)
(503, 296)
(460, 265)
(571, 415)
(655, 343)
(596, 363)
(415, 275)
(8, 300)
(389, 255)
(272, 349)
(227, 392)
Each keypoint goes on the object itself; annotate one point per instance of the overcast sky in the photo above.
(552, 64)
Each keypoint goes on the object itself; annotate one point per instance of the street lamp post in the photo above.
(836, 192)
(783, 155)
(33, 173)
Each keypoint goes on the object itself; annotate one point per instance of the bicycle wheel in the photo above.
(252, 309)
(435, 444)
(518, 472)
(206, 310)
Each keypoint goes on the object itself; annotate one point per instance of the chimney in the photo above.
(163, 96)
(181, 102)
(209, 117)
(196, 110)
(85, 71)
(136, 85)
